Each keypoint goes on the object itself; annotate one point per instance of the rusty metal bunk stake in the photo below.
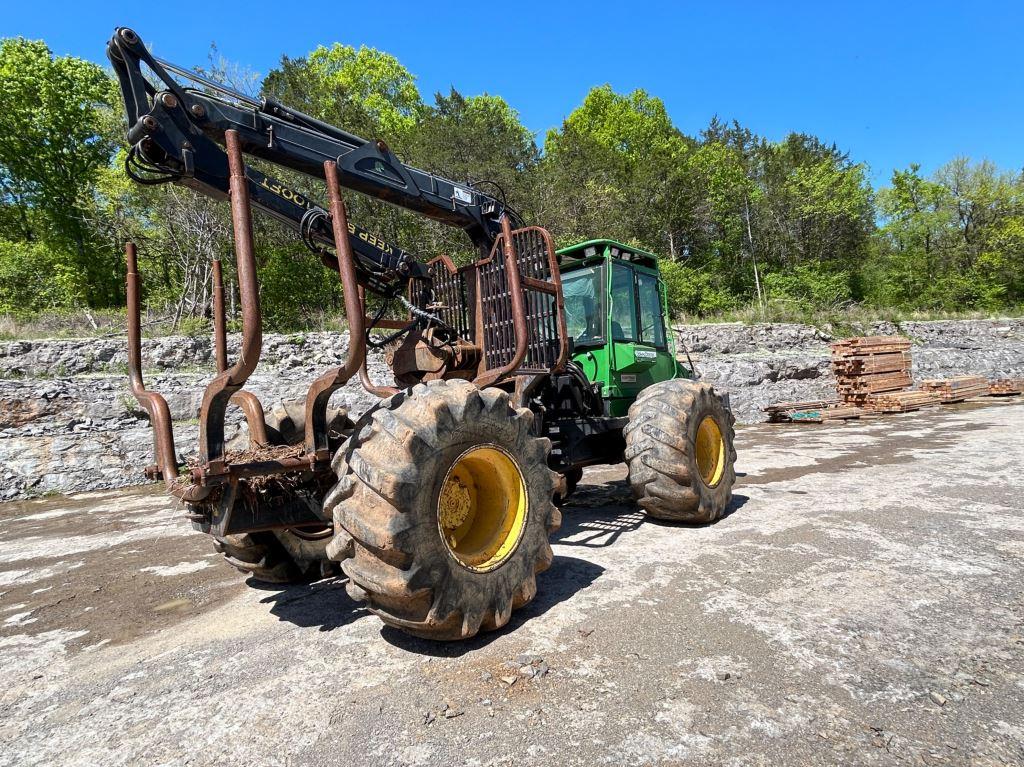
(220, 389)
(320, 391)
(364, 378)
(220, 334)
(247, 401)
(154, 404)
(159, 414)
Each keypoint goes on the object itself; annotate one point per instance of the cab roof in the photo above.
(608, 249)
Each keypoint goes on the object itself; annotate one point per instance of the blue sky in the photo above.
(891, 83)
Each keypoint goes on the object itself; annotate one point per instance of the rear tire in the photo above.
(276, 556)
(570, 479)
(442, 510)
(680, 453)
(286, 425)
(284, 556)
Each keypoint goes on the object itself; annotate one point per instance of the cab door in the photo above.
(652, 329)
(630, 356)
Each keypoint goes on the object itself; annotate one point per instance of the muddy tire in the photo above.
(284, 556)
(443, 509)
(679, 451)
(286, 425)
(570, 479)
(280, 556)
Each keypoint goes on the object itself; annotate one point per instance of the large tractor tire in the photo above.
(679, 451)
(443, 509)
(570, 480)
(285, 556)
(279, 556)
(286, 425)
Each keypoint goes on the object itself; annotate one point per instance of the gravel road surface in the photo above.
(863, 603)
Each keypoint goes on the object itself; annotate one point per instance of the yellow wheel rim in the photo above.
(710, 452)
(481, 509)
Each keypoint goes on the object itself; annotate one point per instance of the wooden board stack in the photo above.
(814, 411)
(870, 365)
(873, 376)
(779, 412)
(1006, 387)
(957, 389)
(902, 401)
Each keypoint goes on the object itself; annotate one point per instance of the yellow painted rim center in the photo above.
(710, 452)
(481, 509)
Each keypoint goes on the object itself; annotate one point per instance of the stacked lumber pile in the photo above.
(870, 365)
(779, 412)
(902, 401)
(1006, 387)
(957, 389)
(813, 411)
(873, 376)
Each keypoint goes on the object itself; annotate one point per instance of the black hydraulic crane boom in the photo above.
(176, 133)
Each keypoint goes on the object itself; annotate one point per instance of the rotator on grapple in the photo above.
(437, 504)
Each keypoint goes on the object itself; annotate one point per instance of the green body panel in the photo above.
(616, 313)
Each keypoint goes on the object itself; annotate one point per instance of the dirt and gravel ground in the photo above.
(863, 603)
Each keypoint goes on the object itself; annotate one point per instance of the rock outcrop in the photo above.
(68, 422)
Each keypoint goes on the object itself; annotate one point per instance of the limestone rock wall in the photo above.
(68, 422)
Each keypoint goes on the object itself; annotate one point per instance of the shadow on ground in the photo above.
(324, 604)
(598, 515)
(565, 577)
(595, 517)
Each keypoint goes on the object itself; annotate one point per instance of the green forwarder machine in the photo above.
(511, 374)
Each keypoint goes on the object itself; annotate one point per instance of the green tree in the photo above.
(815, 204)
(33, 277)
(735, 216)
(614, 169)
(478, 140)
(720, 193)
(952, 241)
(474, 138)
(914, 238)
(52, 146)
(363, 90)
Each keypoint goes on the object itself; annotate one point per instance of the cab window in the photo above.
(583, 291)
(652, 326)
(623, 315)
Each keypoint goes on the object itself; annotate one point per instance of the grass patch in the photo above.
(845, 321)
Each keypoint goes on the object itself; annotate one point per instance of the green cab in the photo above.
(615, 312)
